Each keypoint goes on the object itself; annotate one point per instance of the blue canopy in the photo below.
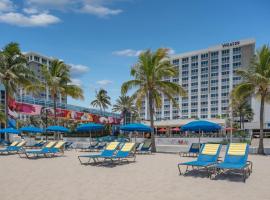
(57, 129)
(31, 129)
(10, 130)
(136, 127)
(90, 127)
(201, 125)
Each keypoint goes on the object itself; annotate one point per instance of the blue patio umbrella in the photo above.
(57, 129)
(10, 131)
(61, 129)
(136, 127)
(201, 126)
(89, 127)
(31, 129)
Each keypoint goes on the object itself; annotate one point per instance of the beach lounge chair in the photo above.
(68, 145)
(208, 156)
(15, 147)
(45, 151)
(235, 161)
(57, 148)
(107, 152)
(193, 151)
(145, 147)
(36, 145)
(126, 151)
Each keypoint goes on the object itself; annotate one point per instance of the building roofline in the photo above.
(214, 48)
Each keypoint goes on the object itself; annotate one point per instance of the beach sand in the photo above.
(150, 177)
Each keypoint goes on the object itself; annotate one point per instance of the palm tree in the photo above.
(241, 108)
(257, 82)
(102, 100)
(148, 74)
(125, 105)
(14, 72)
(58, 81)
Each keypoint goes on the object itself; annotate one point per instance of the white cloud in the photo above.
(6, 5)
(78, 70)
(128, 52)
(171, 51)
(30, 10)
(104, 82)
(76, 81)
(50, 3)
(99, 10)
(19, 19)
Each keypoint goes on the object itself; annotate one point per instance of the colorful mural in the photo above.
(29, 109)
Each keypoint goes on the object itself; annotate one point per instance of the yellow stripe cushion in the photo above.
(50, 144)
(59, 144)
(128, 146)
(14, 143)
(112, 146)
(210, 149)
(237, 149)
(21, 144)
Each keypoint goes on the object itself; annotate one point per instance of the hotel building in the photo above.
(208, 76)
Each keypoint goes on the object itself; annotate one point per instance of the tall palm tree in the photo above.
(102, 100)
(148, 74)
(257, 82)
(58, 81)
(14, 72)
(125, 105)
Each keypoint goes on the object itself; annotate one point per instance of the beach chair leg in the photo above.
(179, 168)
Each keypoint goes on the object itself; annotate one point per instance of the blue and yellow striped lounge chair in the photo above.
(13, 148)
(208, 156)
(126, 151)
(235, 161)
(45, 151)
(109, 151)
(57, 148)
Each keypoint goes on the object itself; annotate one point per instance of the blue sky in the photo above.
(101, 38)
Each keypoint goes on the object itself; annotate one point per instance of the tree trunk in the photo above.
(151, 112)
(261, 148)
(243, 122)
(54, 108)
(6, 113)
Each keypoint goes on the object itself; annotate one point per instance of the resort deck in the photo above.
(150, 177)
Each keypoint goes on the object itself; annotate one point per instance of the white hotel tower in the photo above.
(208, 76)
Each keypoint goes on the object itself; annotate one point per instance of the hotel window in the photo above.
(184, 60)
(225, 94)
(204, 56)
(214, 109)
(194, 78)
(185, 67)
(175, 80)
(225, 67)
(194, 65)
(36, 58)
(204, 83)
(214, 74)
(214, 54)
(194, 58)
(225, 73)
(225, 60)
(237, 50)
(184, 79)
(204, 116)
(204, 109)
(185, 73)
(204, 76)
(184, 104)
(214, 102)
(194, 103)
(204, 89)
(194, 84)
(214, 61)
(225, 52)
(175, 62)
(194, 110)
(204, 103)
(194, 71)
(224, 108)
(204, 63)
(194, 97)
(44, 61)
(204, 96)
(214, 81)
(236, 65)
(194, 90)
(214, 95)
(204, 70)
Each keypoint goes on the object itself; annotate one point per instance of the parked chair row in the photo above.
(51, 149)
(193, 150)
(235, 160)
(112, 153)
(14, 147)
